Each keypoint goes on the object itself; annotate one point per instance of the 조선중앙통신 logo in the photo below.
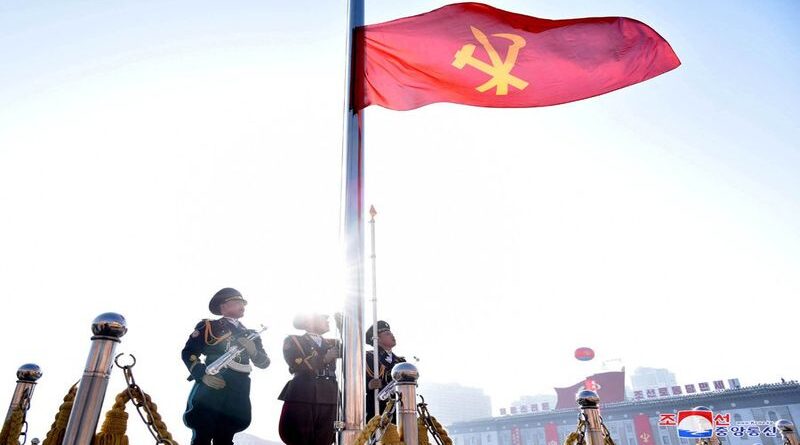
(695, 424)
(704, 423)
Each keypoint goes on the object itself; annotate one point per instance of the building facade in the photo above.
(761, 403)
(644, 378)
(451, 403)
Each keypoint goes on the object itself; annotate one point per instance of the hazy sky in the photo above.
(152, 152)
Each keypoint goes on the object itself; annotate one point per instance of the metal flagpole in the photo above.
(353, 393)
(375, 354)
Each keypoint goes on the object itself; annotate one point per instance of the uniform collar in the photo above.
(316, 338)
(233, 321)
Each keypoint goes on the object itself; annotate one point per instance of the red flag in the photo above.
(516, 437)
(551, 434)
(609, 386)
(474, 54)
(644, 434)
(566, 396)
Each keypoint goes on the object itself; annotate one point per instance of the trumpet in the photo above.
(231, 354)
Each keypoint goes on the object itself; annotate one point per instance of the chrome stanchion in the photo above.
(589, 401)
(405, 376)
(27, 375)
(788, 431)
(107, 329)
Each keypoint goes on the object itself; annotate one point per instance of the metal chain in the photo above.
(608, 439)
(24, 432)
(581, 429)
(386, 419)
(139, 400)
(425, 415)
(24, 405)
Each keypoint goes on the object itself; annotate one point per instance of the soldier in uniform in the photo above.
(310, 397)
(219, 405)
(386, 361)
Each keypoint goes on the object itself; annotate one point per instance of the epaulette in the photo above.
(210, 338)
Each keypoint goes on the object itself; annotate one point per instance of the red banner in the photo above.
(551, 434)
(474, 54)
(644, 434)
(516, 438)
(609, 386)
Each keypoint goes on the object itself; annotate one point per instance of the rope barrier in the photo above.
(380, 430)
(578, 437)
(376, 427)
(428, 424)
(115, 425)
(12, 428)
(56, 434)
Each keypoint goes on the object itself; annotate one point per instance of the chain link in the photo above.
(606, 434)
(425, 415)
(139, 400)
(581, 429)
(386, 419)
(24, 405)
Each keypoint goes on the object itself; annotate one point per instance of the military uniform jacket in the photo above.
(385, 365)
(313, 381)
(213, 338)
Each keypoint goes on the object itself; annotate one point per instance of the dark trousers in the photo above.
(307, 423)
(215, 415)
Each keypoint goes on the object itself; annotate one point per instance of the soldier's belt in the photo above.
(239, 367)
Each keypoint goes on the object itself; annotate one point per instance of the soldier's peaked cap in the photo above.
(222, 296)
(382, 327)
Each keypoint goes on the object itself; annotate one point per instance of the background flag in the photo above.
(644, 434)
(474, 54)
(609, 386)
(551, 434)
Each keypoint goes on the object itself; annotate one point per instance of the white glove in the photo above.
(248, 345)
(214, 381)
(331, 354)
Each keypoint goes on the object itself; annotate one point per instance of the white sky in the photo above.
(152, 152)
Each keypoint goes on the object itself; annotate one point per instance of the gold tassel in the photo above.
(390, 436)
(56, 434)
(112, 432)
(115, 424)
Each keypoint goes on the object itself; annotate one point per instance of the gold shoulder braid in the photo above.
(303, 352)
(214, 340)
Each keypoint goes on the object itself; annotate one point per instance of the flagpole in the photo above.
(353, 392)
(375, 346)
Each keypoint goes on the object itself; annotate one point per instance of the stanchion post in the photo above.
(405, 375)
(107, 328)
(589, 403)
(27, 375)
(788, 431)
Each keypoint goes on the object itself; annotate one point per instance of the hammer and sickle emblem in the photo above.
(645, 437)
(500, 70)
